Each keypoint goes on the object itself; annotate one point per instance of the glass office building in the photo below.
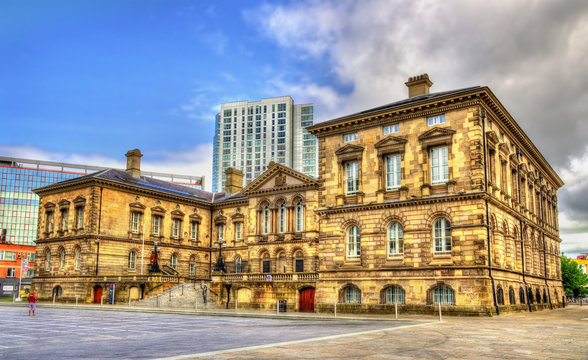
(248, 135)
(19, 205)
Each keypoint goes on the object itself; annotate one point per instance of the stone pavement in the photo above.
(549, 334)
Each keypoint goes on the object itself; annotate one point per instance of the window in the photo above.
(7, 255)
(78, 260)
(176, 228)
(156, 225)
(49, 220)
(353, 242)
(282, 217)
(390, 129)
(135, 220)
(79, 217)
(10, 272)
(62, 259)
(173, 261)
(511, 296)
(395, 245)
(192, 269)
(350, 137)
(64, 217)
(266, 219)
(238, 265)
(521, 295)
(48, 260)
(299, 261)
(299, 216)
(443, 295)
(194, 231)
(238, 231)
(266, 264)
(393, 172)
(351, 177)
(439, 165)
(499, 295)
(352, 295)
(436, 120)
(442, 235)
(132, 260)
(394, 295)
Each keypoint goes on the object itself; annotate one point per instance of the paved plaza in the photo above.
(116, 333)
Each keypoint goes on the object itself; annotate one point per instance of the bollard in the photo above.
(129, 300)
(235, 303)
(54, 299)
(440, 319)
(101, 300)
(335, 308)
(77, 300)
(396, 310)
(278, 307)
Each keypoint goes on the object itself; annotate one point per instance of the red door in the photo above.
(97, 294)
(306, 300)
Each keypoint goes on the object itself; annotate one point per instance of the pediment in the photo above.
(195, 217)
(492, 138)
(436, 136)
(391, 144)
(503, 147)
(177, 213)
(277, 178)
(64, 203)
(158, 210)
(137, 205)
(221, 219)
(79, 200)
(49, 205)
(349, 152)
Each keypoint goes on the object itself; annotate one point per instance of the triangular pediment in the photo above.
(278, 178)
(504, 148)
(391, 144)
(436, 132)
(492, 138)
(349, 149)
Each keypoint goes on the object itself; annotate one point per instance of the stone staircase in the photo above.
(184, 296)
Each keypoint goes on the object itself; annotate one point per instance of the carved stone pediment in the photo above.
(137, 206)
(277, 178)
(503, 147)
(349, 152)
(158, 210)
(436, 136)
(177, 213)
(221, 219)
(195, 217)
(391, 144)
(64, 203)
(492, 138)
(80, 200)
(49, 206)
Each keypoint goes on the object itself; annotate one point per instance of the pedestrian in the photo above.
(32, 300)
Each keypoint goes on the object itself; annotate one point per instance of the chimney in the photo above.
(134, 162)
(418, 85)
(233, 181)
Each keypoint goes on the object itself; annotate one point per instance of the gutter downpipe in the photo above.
(544, 248)
(487, 215)
(522, 239)
(98, 236)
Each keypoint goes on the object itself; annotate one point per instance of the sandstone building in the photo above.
(438, 198)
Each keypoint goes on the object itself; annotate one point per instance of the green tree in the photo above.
(573, 277)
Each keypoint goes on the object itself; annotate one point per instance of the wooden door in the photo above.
(97, 294)
(306, 300)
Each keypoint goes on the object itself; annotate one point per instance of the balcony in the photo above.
(265, 277)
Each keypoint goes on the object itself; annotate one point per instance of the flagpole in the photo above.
(142, 247)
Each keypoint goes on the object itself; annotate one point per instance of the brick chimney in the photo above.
(418, 85)
(233, 181)
(134, 162)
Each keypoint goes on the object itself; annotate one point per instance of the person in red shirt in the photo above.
(32, 300)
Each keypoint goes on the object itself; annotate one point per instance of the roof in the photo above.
(148, 183)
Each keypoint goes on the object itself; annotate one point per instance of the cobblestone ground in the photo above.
(549, 334)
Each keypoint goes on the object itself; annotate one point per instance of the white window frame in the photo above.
(393, 171)
(78, 259)
(176, 228)
(299, 216)
(64, 219)
(350, 137)
(238, 231)
(238, 265)
(436, 120)
(442, 236)
(391, 129)
(192, 269)
(439, 165)
(282, 218)
(194, 231)
(221, 233)
(10, 272)
(266, 213)
(79, 217)
(132, 260)
(156, 226)
(135, 221)
(395, 295)
(351, 177)
(49, 219)
(352, 295)
(353, 240)
(444, 295)
(395, 239)
(173, 261)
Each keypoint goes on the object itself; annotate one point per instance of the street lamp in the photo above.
(154, 258)
(220, 262)
(97, 254)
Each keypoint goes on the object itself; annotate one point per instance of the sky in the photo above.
(86, 81)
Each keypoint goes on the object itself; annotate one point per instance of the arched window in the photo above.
(78, 255)
(511, 296)
(62, 259)
(353, 242)
(351, 294)
(132, 260)
(443, 295)
(282, 218)
(238, 265)
(499, 295)
(545, 299)
(173, 261)
(521, 295)
(299, 216)
(395, 243)
(530, 296)
(442, 235)
(48, 260)
(266, 263)
(538, 296)
(266, 219)
(394, 295)
(299, 261)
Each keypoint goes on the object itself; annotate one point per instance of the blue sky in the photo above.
(86, 81)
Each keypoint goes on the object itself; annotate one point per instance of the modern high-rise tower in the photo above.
(249, 135)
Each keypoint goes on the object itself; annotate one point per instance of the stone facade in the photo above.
(440, 198)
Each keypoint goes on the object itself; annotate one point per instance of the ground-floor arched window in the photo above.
(499, 295)
(351, 294)
(394, 295)
(443, 295)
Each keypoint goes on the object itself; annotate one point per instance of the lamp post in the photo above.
(154, 264)
(220, 262)
(228, 287)
(97, 254)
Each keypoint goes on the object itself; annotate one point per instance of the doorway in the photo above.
(306, 300)
(97, 294)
